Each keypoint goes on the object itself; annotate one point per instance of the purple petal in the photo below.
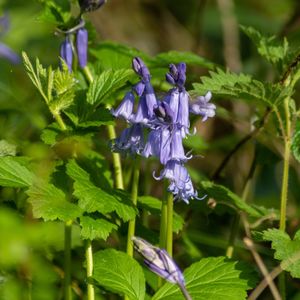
(82, 46)
(66, 53)
(125, 108)
(9, 54)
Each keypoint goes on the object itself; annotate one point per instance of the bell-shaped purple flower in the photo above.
(66, 52)
(202, 107)
(131, 140)
(125, 109)
(158, 261)
(82, 46)
(152, 147)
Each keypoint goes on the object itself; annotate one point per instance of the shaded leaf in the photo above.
(119, 273)
(49, 202)
(153, 205)
(212, 278)
(296, 142)
(223, 194)
(7, 149)
(95, 229)
(14, 174)
(286, 250)
(92, 198)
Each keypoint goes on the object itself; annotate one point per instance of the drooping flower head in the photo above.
(66, 52)
(125, 109)
(158, 261)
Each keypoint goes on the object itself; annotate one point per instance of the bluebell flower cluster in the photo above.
(5, 51)
(158, 127)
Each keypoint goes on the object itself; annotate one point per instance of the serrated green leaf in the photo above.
(92, 198)
(223, 194)
(96, 229)
(56, 12)
(61, 88)
(119, 273)
(153, 205)
(49, 202)
(116, 56)
(268, 47)
(286, 250)
(296, 142)
(14, 174)
(176, 57)
(105, 84)
(241, 86)
(38, 75)
(49, 134)
(212, 278)
(7, 149)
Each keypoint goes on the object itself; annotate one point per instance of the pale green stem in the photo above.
(286, 160)
(59, 120)
(89, 269)
(111, 135)
(67, 258)
(134, 197)
(169, 238)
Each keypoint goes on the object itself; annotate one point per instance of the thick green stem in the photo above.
(169, 238)
(286, 160)
(67, 258)
(134, 196)
(89, 269)
(59, 120)
(116, 160)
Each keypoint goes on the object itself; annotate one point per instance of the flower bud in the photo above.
(90, 5)
(82, 46)
(66, 53)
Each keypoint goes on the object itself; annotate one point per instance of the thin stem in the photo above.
(59, 120)
(89, 269)
(233, 234)
(119, 183)
(67, 258)
(248, 242)
(185, 292)
(169, 237)
(134, 196)
(286, 160)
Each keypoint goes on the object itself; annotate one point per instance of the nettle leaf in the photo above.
(7, 149)
(56, 11)
(49, 202)
(286, 250)
(222, 194)
(96, 229)
(105, 84)
(92, 198)
(14, 174)
(296, 142)
(38, 75)
(175, 57)
(241, 86)
(61, 91)
(118, 272)
(153, 205)
(268, 47)
(212, 278)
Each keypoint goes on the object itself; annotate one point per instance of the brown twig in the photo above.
(250, 245)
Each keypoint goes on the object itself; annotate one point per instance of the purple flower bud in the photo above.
(125, 108)
(158, 261)
(183, 111)
(66, 53)
(177, 75)
(202, 107)
(4, 24)
(139, 88)
(90, 5)
(9, 54)
(140, 68)
(82, 46)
